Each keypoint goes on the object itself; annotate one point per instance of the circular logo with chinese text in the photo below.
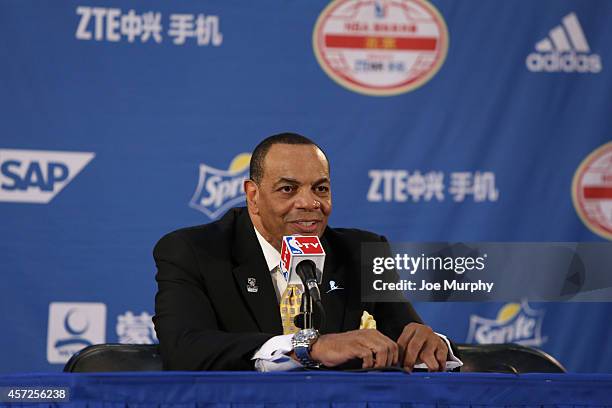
(592, 191)
(380, 47)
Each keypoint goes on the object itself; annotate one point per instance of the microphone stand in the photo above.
(305, 319)
(307, 309)
(307, 272)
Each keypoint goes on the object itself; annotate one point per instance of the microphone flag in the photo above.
(297, 248)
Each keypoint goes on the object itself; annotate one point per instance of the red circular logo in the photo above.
(592, 191)
(380, 47)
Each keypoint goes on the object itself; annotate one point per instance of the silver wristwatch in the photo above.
(302, 342)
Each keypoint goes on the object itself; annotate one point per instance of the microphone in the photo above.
(307, 271)
(302, 260)
(297, 248)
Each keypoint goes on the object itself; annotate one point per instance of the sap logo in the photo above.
(515, 323)
(219, 190)
(72, 327)
(565, 49)
(36, 176)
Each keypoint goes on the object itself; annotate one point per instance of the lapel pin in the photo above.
(252, 285)
(332, 286)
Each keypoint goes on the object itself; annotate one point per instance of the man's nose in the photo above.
(306, 200)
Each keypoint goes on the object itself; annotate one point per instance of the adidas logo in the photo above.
(564, 50)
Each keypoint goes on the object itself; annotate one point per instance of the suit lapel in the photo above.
(251, 264)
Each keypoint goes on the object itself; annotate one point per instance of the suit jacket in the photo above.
(205, 317)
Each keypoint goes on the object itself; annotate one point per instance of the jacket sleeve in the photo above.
(185, 321)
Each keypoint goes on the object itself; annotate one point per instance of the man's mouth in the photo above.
(306, 226)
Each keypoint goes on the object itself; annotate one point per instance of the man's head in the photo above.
(289, 188)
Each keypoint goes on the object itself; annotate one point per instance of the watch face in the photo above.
(306, 335)
(310, 334)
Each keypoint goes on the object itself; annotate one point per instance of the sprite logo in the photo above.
(219, 190)
(515, 323)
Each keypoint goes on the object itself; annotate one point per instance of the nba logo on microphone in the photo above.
(296, 248)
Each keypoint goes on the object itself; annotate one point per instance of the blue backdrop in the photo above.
(452, 120)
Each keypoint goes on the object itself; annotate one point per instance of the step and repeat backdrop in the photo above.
(443, 120)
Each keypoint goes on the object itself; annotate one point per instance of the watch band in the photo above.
(303, 355)
(302, 342)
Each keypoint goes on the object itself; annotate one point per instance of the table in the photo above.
(321, 389)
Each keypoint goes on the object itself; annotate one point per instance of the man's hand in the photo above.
(419, 344)
(374, 348)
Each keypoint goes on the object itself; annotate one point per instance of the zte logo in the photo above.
(36, 176)
(113, 25)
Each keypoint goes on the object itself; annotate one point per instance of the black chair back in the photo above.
(506, 358)
(115, 357)
(488, 358)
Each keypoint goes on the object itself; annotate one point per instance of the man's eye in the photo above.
(322, 189)
(286, 189)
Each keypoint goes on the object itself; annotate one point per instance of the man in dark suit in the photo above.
(217, 302)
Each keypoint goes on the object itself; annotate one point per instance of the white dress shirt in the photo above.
(271, 356)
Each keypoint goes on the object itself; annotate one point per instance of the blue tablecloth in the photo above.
(323, 389)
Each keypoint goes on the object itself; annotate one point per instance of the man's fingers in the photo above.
(428, 356)
(369, 348)
(406, 336)
(390, 350)
(381, 358)
(404, 339)
(372, 347)
(382, 347)
(365, 354)
(412, 351)
(394, 353)
(419, 344)
(441, 353)
(379, 350)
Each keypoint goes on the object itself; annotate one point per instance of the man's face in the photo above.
(294, 195)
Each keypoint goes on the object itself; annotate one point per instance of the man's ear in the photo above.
(251, 190)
